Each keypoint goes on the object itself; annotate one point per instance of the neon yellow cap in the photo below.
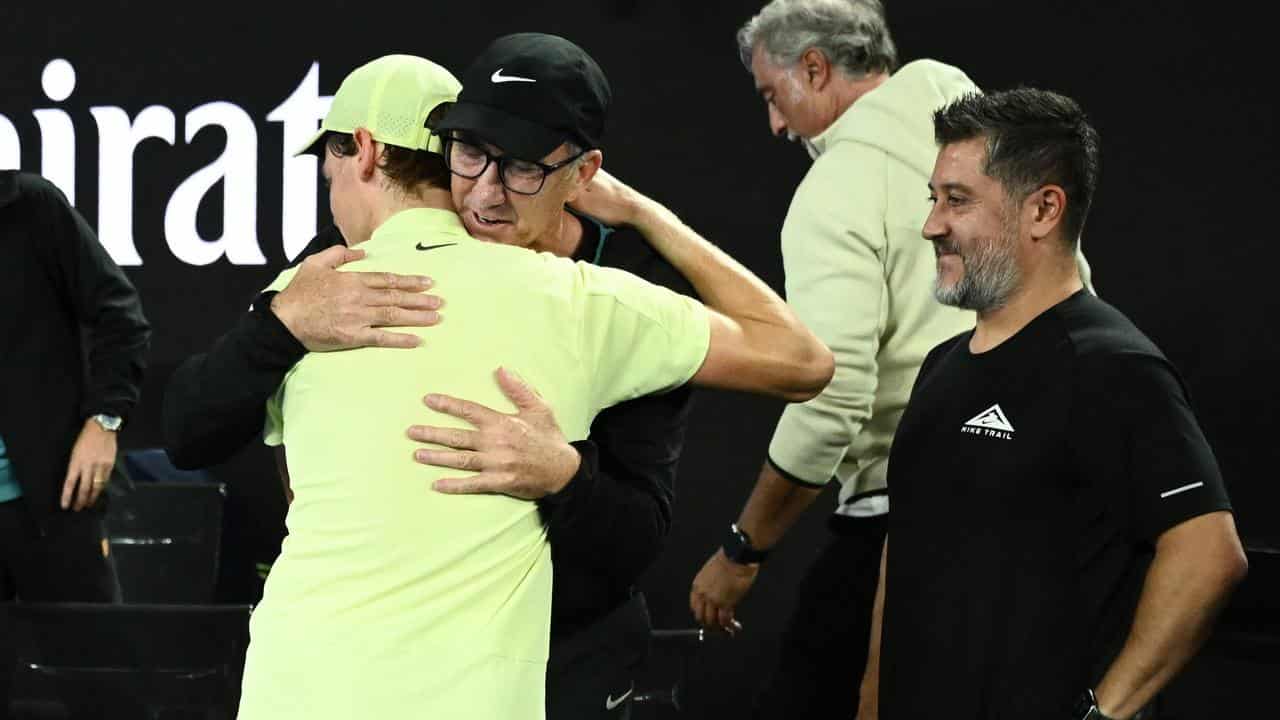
(390, 97)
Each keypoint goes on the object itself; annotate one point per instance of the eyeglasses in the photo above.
(523, 177)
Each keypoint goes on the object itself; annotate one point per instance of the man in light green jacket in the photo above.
(859, 274)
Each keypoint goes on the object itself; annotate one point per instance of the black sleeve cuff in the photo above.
(558, 507)
(793, 478)
(274, 346)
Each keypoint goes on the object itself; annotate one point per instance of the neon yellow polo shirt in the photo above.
(390, 600)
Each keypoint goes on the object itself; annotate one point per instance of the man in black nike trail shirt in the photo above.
(1061, 538)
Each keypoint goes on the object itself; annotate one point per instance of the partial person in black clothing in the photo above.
(1061, 538)
(606, 522)
(58, 418)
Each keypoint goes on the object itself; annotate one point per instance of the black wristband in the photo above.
(559, 507)
(738, 547)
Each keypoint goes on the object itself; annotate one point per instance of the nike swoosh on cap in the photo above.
(498, 77)
(420, 246)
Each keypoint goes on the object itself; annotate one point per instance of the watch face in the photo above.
(735, 544)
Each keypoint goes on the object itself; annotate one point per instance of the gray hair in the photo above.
(851, 33)
(574, 148)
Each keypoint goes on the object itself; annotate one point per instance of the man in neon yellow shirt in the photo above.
(389, 600)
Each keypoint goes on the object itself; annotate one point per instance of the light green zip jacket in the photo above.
(860, 275)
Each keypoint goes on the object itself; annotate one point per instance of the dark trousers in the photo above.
(824, 645)
(66, 563)
(591, 674)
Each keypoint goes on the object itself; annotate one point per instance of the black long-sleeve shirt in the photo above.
(57, 285)
(605, 527)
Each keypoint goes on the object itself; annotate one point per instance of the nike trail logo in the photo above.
(610, 703)
(498, 77)
(991, 422)
(420, 246)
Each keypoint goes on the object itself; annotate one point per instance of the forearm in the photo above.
(1185, 588)
(722, 282)
(117, 363)
(601, 523)
(870, 686)
(770, 331)
(103, 301)
(774, 506)
(215, 402)
(118, 338)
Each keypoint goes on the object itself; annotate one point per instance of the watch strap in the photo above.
(738, 547)
(1087, 707)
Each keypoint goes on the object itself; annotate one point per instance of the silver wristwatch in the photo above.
(110, 423)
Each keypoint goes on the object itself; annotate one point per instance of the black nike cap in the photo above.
(529, 92)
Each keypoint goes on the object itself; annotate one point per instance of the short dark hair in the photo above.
(405, 168)
(1034, 138)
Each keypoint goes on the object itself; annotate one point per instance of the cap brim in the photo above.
(312, 146)
(514, 135)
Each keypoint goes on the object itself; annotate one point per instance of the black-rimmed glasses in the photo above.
(523, 177)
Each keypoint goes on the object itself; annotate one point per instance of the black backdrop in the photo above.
(1179, 237)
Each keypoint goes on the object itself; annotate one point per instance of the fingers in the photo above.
(97, 486)
(458, 460)
(83, 489)
(695, 607)
(404, 299)
(704, 611)
(476, 484)
(69, 485)
(372, 337)
(474, 413)
(518, 391)
(392, 281)
(725, 621)
(698, 604)
(455, 438)
(387, 316)
(371, 334)
(380, 316)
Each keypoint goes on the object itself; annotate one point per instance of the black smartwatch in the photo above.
(738, 547)
(1087, 707)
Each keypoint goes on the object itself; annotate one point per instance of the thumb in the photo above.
(518, 391)
(335, 257)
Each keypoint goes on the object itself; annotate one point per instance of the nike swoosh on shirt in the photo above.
(1182, 489)
(498, 77)
(610, 703)
(420, 246)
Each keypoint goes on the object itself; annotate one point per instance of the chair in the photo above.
(77, 661)
(662, 683)
(165, 539)
(153, 465)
